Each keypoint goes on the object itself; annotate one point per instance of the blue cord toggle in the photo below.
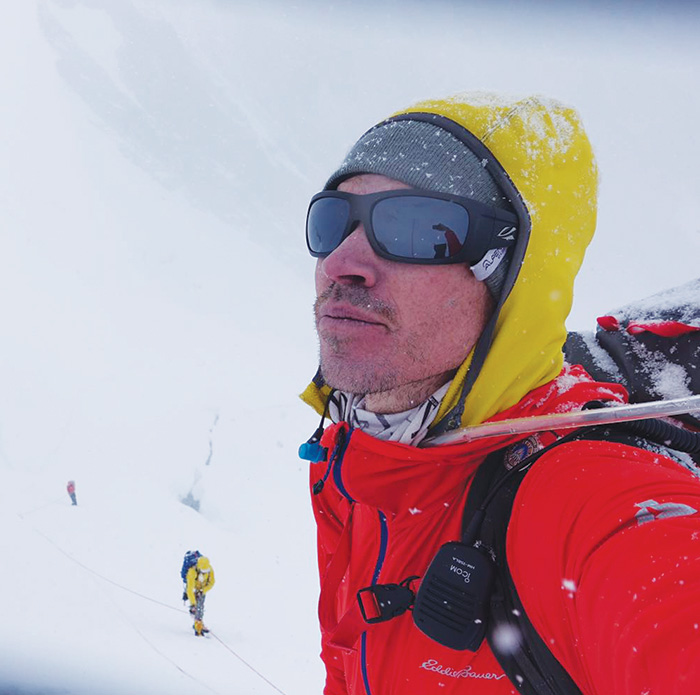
(312, 451)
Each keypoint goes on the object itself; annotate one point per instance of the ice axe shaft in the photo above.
(563, 421)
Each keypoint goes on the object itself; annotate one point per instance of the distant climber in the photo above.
(71, 492)
(200, 579)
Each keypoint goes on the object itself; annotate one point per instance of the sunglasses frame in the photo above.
(489, 227)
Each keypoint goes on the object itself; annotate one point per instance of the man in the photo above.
(447, 245)
(200, 579)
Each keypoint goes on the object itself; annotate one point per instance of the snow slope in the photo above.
(156, 323)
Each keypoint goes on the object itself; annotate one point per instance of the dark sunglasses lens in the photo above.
(415, 227)
(326, 223)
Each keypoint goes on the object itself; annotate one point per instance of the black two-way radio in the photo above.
(452, 603)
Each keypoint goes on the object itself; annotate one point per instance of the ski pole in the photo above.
(562, 421)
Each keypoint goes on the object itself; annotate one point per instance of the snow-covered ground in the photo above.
(157, 158)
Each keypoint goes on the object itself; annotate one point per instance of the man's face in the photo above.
(395, 331)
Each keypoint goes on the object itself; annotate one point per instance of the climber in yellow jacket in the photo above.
(200, 579)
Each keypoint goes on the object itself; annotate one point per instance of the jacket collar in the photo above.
(401, 479)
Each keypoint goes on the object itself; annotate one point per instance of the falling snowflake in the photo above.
(568, 585)
(506, 638)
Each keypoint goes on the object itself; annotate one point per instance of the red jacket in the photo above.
(604, 547)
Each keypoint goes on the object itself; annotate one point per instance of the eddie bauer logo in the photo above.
(466, 672)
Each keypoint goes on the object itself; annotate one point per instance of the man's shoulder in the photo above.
(589, 520)
(582, 492)
(601, 469)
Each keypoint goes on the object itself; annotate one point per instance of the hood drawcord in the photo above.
(336, 454)
(311, 450)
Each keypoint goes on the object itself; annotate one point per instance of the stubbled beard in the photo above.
(370, 377)
(365, 378)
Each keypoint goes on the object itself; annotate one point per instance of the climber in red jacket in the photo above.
(447, 245)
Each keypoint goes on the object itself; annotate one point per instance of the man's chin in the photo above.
(357, 378)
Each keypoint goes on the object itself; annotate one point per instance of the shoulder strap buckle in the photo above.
(381, 602)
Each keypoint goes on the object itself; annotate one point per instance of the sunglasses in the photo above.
(409, 226)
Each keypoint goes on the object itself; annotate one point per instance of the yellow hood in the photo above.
(543, 149)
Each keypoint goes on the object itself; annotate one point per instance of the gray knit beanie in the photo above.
(427, 157)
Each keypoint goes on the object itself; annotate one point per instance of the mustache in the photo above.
(356, 295)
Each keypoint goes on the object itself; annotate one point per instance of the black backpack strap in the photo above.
(525, 658)
(520, 650)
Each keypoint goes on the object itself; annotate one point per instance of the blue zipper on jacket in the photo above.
(383, 543)
(335, 464)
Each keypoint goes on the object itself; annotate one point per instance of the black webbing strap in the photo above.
(525, 658)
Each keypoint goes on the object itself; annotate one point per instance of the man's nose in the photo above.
(353, 262)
